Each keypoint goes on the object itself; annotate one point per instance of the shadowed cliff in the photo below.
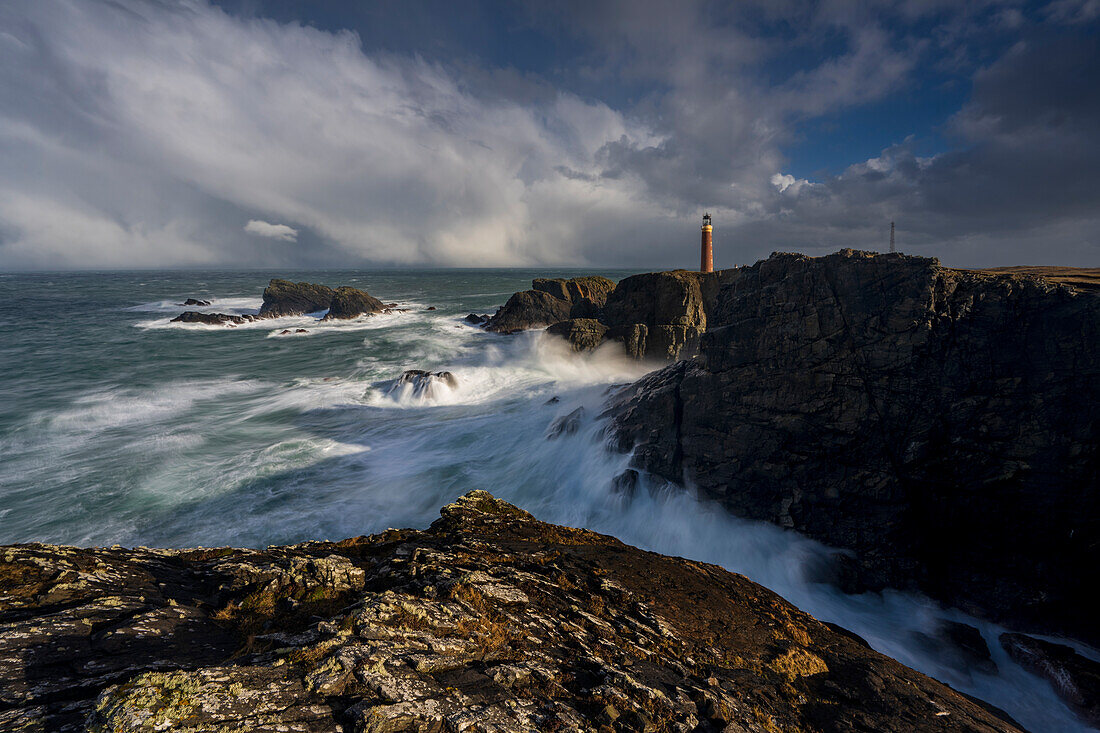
(944, 424)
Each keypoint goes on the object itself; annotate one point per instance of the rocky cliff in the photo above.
(658, 315)
(944, 425)
(488, 621)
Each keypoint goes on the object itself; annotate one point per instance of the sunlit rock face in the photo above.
(488, 621)
(943, 424)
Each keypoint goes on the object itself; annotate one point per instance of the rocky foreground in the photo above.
(488, 621)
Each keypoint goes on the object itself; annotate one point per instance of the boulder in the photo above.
(487, 620)
(941, 424)
(347, 302)
(529, 309)
(285, 298)
(1075, 678)
(195, 301)
(584, 334)
(212, 319)
(476, 320)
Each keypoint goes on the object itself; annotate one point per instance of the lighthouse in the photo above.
(706, 260)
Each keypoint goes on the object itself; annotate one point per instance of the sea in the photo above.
(118, 426)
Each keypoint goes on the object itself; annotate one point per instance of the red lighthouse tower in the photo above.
(706, 261)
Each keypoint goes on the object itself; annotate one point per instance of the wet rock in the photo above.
(212, 319)
(195, 301)
(960, 646)
(430, 307)
(423, 383)
(1075, 678)
(488, 620)
(476, 320)
(301, 330)
(566, 425)
(285, 298)
(284, 332)
(584, 334)
(890, 406)
(349, 303)
(626, 483)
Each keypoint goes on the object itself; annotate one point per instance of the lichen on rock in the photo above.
(490, 620)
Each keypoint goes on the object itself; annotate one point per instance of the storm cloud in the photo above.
(142, 134)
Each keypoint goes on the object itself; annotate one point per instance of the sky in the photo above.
(280, 133)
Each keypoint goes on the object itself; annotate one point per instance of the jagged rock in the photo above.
(488, 620)
(942, 424)
(195, 301)
(212, 319)
(430, 307)
(657, 315)
(552, 301)
(476, 320)
(1075, 678)
(285, 298)
(661, 315)
(584, 334)
(423, 383)
(347, 302)
(566, 425)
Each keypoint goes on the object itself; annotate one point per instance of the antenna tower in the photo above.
(893, 249)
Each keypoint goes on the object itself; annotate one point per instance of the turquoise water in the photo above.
(117, 426)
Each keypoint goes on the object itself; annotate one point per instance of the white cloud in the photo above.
(197, 114)
(272, 231)
(786, 182)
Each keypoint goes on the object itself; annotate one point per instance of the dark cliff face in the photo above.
(488, 621)
(944, 425)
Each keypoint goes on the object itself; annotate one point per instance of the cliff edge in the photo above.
(943, 424)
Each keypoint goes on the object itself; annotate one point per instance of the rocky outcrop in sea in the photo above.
(285, 298)
(487, 621)
(942, 424)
